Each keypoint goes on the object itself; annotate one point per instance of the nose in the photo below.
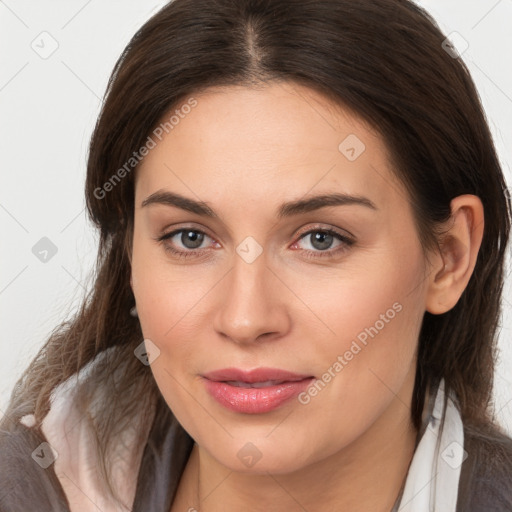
(252, 303)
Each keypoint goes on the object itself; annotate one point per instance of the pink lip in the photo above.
(254, 400)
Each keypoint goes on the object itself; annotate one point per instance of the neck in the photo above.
(366, 475)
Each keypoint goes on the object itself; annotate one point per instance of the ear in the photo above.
(453, 265)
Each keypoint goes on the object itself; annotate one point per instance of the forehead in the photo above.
(278, 142)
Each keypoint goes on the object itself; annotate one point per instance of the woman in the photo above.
(303, 227)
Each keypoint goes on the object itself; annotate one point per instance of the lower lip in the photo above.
(255, 400)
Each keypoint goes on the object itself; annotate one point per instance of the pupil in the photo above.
(197, 239)
(325, 240)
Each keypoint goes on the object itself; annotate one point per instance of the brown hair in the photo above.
(383, 59)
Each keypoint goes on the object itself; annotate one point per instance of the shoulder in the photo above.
(27, 478)
(28, 473)
(486, 474)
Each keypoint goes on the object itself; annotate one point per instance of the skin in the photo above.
(244, 151)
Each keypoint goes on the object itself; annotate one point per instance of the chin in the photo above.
(262, 455)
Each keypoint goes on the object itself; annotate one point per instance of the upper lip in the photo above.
(256, 375)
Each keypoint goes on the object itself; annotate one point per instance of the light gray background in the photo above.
(48, 107)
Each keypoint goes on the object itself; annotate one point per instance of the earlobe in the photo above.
(453, 266)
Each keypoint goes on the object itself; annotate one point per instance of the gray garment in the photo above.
(485, 482)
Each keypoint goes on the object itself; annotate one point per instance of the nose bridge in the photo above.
(249, 306)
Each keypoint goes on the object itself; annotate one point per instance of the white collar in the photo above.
(71, 439)
(433, 478)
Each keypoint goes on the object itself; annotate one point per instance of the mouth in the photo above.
(256, 391)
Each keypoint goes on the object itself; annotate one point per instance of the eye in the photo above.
(191, 240)
(321, 240)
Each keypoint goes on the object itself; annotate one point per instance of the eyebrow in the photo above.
(287, 209)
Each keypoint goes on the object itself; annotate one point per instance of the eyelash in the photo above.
(309, 254)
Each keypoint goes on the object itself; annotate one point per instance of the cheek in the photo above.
(370, 358)
(165, 293)
(169, 308)
(174, 304)
(374, 317)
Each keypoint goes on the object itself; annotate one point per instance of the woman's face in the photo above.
(333, 292)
